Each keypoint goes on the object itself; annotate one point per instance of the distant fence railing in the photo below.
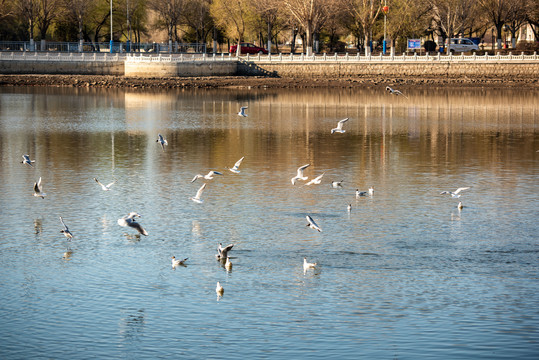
(117, 47)
(336, 57)
(139, 58)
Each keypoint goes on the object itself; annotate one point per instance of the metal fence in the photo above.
(105, 47)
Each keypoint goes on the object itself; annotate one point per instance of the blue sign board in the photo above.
(414, 44)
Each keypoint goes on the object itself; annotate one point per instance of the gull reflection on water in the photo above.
(132, 324)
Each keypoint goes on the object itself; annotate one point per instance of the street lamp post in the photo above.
(111, 26)
(385, 9)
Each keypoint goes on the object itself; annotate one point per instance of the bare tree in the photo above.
(48, 10)
(28, 10)
(231, 16)
(269, 12)
(311, 15)
(532, 16)
(6, 8)
(366, 12)
(498, 12)
(169, 12)
(197, 16)
(452, 16)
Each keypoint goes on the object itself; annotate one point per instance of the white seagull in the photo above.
(228, 264)
(197, 198)
(208, 176)
(371, 191)
(299, 175)
(235, 169)
(219, 289)
(103, 186)
(129, 220)
(178, 262)
(460, 206)
(242, 111)
(360, 193)
(222, 252)
(336, 184)
(454, 194)
(339, 128)
(38, 189)
(312, 224)
(308, 265)
(395, 92)
(349, 208)
(161, 141)
(26, 160)
(65, 230)
(317, 180)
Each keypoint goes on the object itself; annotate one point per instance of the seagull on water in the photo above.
(65, 230)
(208, 176)
(395, 92)
(454, 194)
(317, 180)
(299, 175)
(349, 208)
(26, 160)
(460, 206)
(161, 141)
(308, 265)
(339, 128)
(178, 262)
(129, 220)
(103, 186)
(360, 193)
(38, 189)
(197, 198)
(371, 191)
(235, 169)
(222, 252)
(242, 111)
(312, 224)
(219, 289)
(228, 264)
(336, 184)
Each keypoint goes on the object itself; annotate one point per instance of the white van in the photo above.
(463, 45)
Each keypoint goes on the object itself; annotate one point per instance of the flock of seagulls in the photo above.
(130, 220)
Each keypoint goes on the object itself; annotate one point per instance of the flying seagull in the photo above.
(129, 220)
(339, 128)
(317, 180)
(312, 224)
(161, 141)
(208, 176)
(395, 92)
(222, 252)
(454, 194)
(178, 262)
(38, 189)
(242, 111)
(105, 187)
(26, 160)
(65, 230)
(197, 198)
(308, 265)
(299, 175)
(235, 168)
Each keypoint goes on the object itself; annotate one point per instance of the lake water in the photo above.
(404, 275)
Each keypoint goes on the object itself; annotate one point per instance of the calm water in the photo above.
(405, 275)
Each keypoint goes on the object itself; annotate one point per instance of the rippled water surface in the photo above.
(404, 275)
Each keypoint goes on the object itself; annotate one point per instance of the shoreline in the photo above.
(248, 82)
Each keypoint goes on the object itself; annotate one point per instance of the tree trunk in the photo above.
(269, 37)
(309, 41)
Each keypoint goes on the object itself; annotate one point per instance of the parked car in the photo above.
(463, 45)
(247, 48)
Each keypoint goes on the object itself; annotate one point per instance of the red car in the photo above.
(247, 48)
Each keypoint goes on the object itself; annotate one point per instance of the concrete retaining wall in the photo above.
(181, 69)
(434, 69)
(62, 67)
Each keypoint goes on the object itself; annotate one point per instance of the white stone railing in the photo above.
(263, 58)
(36, 56)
